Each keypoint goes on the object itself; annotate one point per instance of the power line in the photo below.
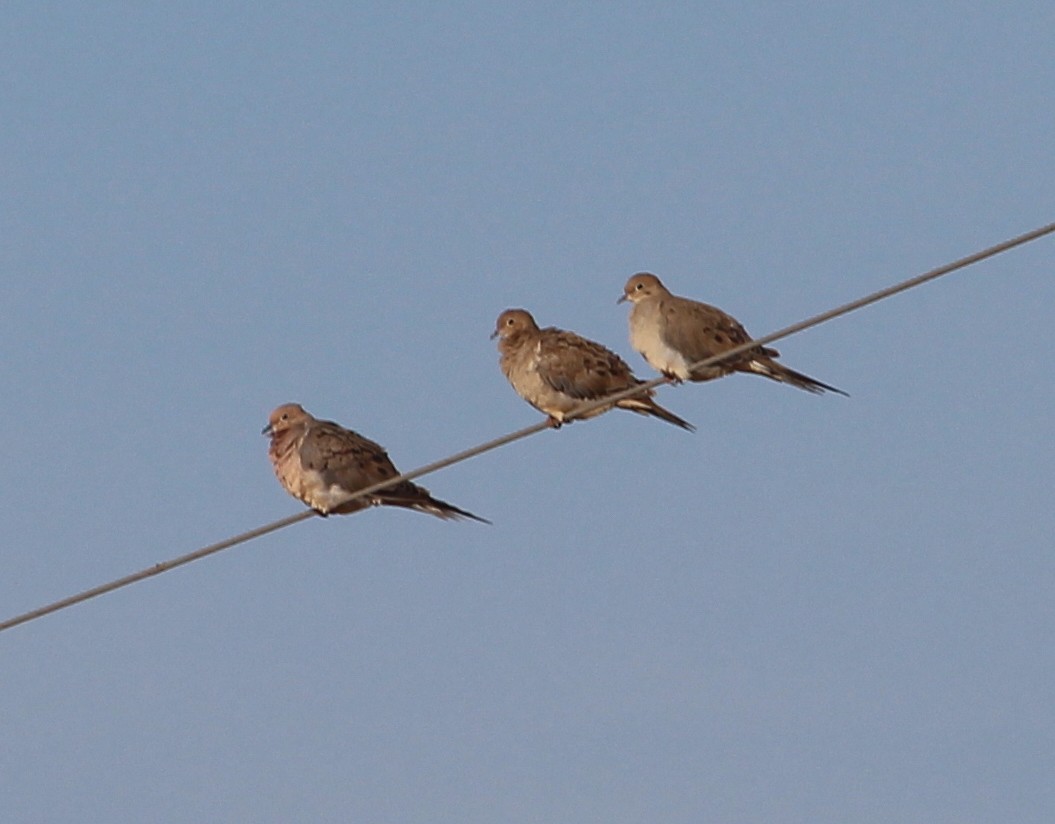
(585, 408)
(157, 569)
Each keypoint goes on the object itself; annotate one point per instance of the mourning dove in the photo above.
(557, 371)
(673, 333)
(321, 464)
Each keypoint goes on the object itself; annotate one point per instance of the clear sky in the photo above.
(814, 609)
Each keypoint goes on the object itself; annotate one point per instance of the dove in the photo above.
(673, 333)
(322, 463)
(557, 371)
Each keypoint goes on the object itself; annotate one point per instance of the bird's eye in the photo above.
(285, 416)
(640, 286)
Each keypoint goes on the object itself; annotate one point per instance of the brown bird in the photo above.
(322, 463)
(557, 371)
(673, 333)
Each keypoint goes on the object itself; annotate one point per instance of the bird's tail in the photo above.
(645, 405)
(779, 372)
(418, 498)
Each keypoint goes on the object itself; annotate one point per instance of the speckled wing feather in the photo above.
(701, 331)
(344, 457)
(580, 368)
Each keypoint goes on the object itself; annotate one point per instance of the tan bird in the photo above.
(557, 371)
(673, 333)
(321, 464)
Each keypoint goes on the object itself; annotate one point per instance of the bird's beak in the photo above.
(494, 334)
(267, 430)
(623, 299)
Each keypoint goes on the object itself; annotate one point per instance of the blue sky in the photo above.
(813, 609)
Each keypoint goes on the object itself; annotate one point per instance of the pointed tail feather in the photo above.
(418, 498)
(650, 407)
(449, 512)
(783, 374)
(666, 415)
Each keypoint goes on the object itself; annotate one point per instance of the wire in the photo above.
(157, 569)
(584, 409)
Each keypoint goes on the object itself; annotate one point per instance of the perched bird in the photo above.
(673, 333)
(321, 464)
(557, 371)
